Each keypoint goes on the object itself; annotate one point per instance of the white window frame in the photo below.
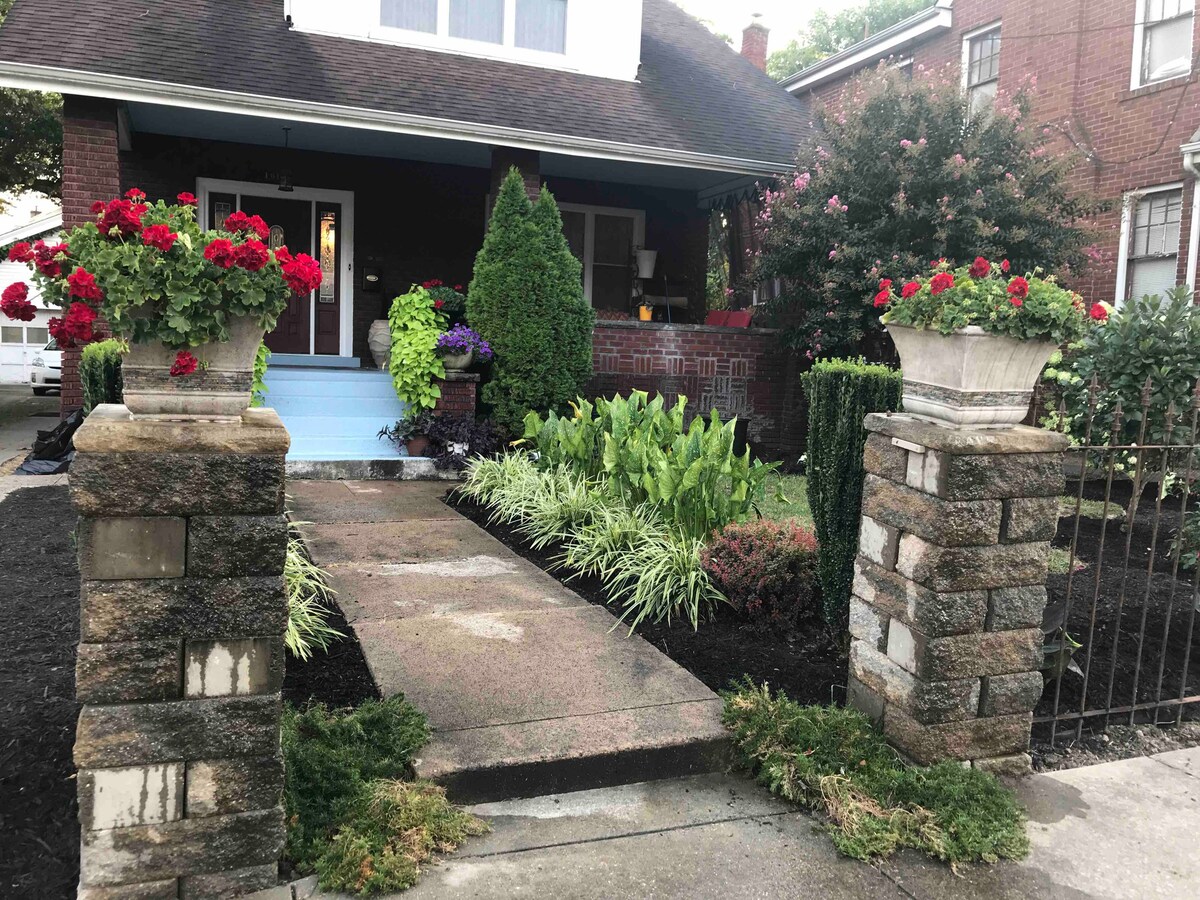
(1129, 202)
(1139, 48)
(589, 234)
(207, 186)
(967, 38)
(442, 40)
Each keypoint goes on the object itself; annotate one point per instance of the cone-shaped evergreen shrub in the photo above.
(526, 300)
(840, 394)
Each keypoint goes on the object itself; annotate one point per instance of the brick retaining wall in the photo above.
(739, 371)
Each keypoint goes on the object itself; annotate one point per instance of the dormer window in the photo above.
(539, 25)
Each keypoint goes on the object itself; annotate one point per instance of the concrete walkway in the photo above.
(22, 416)
(527, 686)
(1120, 830)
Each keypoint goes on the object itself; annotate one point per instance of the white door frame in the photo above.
(207, 186)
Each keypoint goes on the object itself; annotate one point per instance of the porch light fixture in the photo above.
(285, 177)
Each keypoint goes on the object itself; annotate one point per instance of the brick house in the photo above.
(1117, 78)
(373, 133)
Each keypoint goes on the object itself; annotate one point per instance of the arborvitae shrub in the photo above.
(841, 392)
(100, 373)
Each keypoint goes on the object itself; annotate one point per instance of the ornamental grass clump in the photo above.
(154, 275)
(831, 760)
(1026, 307)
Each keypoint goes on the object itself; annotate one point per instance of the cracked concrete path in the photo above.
(528, 687)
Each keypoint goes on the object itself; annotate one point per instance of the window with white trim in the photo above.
(1162, 40)
(981, 67)
(1152, 249)
(603, 240)
(539, 25)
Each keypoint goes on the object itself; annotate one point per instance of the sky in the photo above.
(784, 17)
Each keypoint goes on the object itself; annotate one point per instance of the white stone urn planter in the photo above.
(970, 378)
(379, 341)
(646, 260)
(219, 389)
(458, 362)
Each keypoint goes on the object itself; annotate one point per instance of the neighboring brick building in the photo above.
(1117, 78)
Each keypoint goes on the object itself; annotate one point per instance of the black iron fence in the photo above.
(1124, 582)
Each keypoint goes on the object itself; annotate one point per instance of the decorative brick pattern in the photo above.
(949, 588)
(459, 390)
(183, 610)
(741, 372)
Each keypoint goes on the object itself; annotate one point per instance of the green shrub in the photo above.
(841, 392)
(100, 373)
(415, 364)
(644, 455)
(258, 387)
(308, 597)
(830, 759)
(767, 570)
(526, 300)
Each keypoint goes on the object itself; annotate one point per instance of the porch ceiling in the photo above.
(266, 131)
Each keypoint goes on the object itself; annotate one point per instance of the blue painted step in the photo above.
(335, 414)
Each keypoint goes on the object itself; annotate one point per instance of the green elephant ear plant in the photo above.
(158, 280)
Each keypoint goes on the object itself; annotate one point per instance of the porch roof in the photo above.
(696, 103)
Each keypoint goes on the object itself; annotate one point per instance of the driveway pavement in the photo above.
(20, 420)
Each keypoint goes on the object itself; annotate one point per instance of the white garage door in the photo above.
(20, 342)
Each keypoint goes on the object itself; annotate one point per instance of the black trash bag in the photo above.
(56, 443)
(45, 466)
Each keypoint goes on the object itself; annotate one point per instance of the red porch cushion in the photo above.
(717, 317)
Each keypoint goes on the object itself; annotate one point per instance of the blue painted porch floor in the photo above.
(334, 413)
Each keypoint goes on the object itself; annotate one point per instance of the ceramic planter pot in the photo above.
(417, 446)
(219, 390)
(970, 378)
(458, 362)
(646, 260)
(379, 341)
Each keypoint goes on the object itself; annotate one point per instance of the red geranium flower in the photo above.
(187, 199)
(122, 216)
(283, 256)
(160, 237)
(14, 303)
(980, 268)
(1005, 266)
(185, 364)
(940, 282)
(431, 283)
(46, 258)
(458, 287)
(239, 222)
(251, 255)
(438, 304)
(82, 284)
(220, 252)
(1018, 288)
(98, 207)
(135, 194)
(1099, 313)
(302, 273)
(76, 328)
(883, 298)
(22, 251)
(885, 284)
(909, 289)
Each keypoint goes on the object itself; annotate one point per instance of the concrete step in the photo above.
(529, 688)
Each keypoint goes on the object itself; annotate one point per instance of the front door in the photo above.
(291, 226)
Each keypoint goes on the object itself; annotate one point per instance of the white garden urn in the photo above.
(379, 341)
(970, 378)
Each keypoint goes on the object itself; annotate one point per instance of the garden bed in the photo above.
(809, 666)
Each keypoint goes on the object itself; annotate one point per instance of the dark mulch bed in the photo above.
(338, 678)
(39, 629)
(1121, 611)
(809, 665)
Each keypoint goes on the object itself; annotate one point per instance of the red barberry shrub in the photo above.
(768, 570)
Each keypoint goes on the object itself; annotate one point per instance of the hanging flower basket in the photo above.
(973, 340)
(193, 305)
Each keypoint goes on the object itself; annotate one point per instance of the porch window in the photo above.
(477, 20)
(1152, 252)
(981, 68)
(603, 240)
(411, 15)
(1162, 40)
(542, 25)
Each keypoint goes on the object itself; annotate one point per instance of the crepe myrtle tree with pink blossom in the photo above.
(904, 173)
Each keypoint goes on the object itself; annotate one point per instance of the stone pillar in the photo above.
(181, 543)
(950, 586)
(458, 394)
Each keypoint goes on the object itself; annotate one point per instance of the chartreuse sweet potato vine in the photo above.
(831, 760)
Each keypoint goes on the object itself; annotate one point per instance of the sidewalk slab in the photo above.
(528, 687)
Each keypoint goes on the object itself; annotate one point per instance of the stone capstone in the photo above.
(128, 670)
(227, 546)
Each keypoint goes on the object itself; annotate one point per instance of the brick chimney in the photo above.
(754, 42)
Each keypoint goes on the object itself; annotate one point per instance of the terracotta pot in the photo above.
(417, 446)
(970, 378)
(379, 341)
(458, 362)
(219, 389)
